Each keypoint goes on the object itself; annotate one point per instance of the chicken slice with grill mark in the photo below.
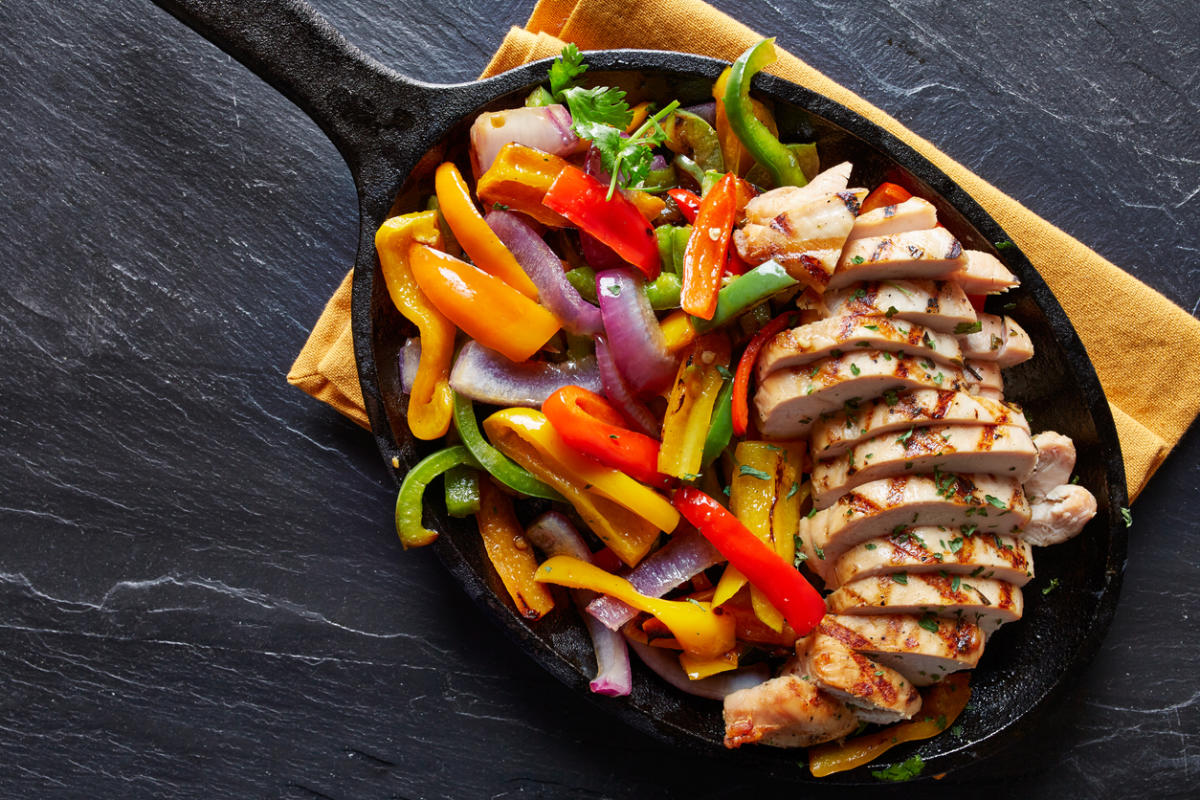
(788, 711)
(769, 205)
(898, 411)
(1000, 340)
(1001, 449)
(914, 214)
(921, 648)
(875, 693)
(955, 551)
(982, 273)
(789, 400)
(807, 343)
(912, 254)
(987, 602)
(937, 305)
(1059, 515)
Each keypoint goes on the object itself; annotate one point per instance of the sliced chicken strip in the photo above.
(982, 273)
(912, 254)
(921, 648)
(789, 400)
(1056, 461)
(1059, 515)
(788, 711)
(987, 602)
(807, 343)
(984, 378)
(769, 205)
(955, 551)
(806, 239)
(917, 503)
(1001, 449)
(1000, 340)
(937, 305)
(899, 411)
(913, 214)
(875, 693)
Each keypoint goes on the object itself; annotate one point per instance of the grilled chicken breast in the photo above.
(913, 214)
(788, 711)
(1001, 449)
(898, 411)
(769, 205)
(874, 693)
(1059, 515)
(937, 305)
(807, 343)
(1000, 340)
(912, 254)
(982, 273)
(921, 648)
(987, 602)
(1056, 460)
(954, 551)
(789, 400)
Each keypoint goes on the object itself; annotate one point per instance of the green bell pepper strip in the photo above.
(782, 163)
(500, 466)
(410, 501)
(684, 163)
(679, 240)
(720, 430)
(665, 236)
(659, 180)
(462, 491)
(540, 97)
(745, 292)
(711, 178)
(663, 292)
(806, 154)
(584, 281)
(696, 133)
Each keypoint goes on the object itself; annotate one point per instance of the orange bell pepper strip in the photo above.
(589, 423)
(940, 706)
(484, 247)
(519, 179)
(885, 194)
(489, 310)
(745, 370)
(511, 555)
(431, 403)
(701, 630)
(626, 534)
(699, 668)
(708, 248)
(690, 406)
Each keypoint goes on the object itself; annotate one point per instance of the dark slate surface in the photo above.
(200, 590)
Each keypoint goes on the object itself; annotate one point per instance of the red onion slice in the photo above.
(616, 390)
(665, 664)
(705, 111)
(683, 558)
(545, 269)
(546, 128)
(634, 336)
(410, 360)
(553, 534)
(488, 377)
(597, 254)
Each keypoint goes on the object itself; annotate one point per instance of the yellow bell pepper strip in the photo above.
(941, 705)
(429, 404)
(699, 668)
(737, 158)
(510, 553)
(518, 179)
(708, 249)
(473, 234)
(486, 308)
(761, 142)
(690, 406)
(648, 205)
(627, 534)
(410, 499)
(702, 631)
(498, 465)
(678, 330)
(802, 606)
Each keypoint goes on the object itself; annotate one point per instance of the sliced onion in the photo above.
(488, 377)
(597, 254)
(616, 390)
(554, 535)
(681, 559)
(665, 664)
(410, 361)
(546, 128)
(545, 269)
(634, 336)
(705, 111)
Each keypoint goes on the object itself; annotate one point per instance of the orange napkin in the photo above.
(1137, 339)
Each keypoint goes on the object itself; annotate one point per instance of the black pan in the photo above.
(391, 130)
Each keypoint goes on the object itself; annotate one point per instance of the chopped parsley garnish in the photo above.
(890, 397)
(792, 491)
(820, 553)
(963, 328)
(900, 578)
(724, 372)
(745, 469)
(871, 327)
(1010, 306)
(1051, 587)
(898, 773)
(904, 437)
(1128, 517)
(854, 370)
(891, 312)
(812, 513)
(995, 501)
(929, 623)
(859, 260)
(870, 545)
(955, 544)
(1004, 244)
(954, 584)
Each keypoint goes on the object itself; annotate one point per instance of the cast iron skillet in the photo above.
(391, 130)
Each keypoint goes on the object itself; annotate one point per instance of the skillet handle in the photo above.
(365, 108)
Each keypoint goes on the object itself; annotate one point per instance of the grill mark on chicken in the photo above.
(955, 249)
(882, 249)
(963, 638)
(781, 224)
(945, 398)
(813, 268)
(851, 201)
(915, 251)
(850, 638)
(987, 438)
(889, 211)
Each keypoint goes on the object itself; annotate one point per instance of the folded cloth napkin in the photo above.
(1135, 337)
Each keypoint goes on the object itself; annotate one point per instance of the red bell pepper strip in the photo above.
(707, 249)
(745, 367)
(614, 221)
(786, 589)
(687, 203)
(977, 301)
(590, 424)
(885, 194)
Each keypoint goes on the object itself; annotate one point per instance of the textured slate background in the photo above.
(200, 590)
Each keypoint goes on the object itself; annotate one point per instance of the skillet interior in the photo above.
(1027, 664)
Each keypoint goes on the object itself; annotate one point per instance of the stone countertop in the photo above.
(201, 592)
